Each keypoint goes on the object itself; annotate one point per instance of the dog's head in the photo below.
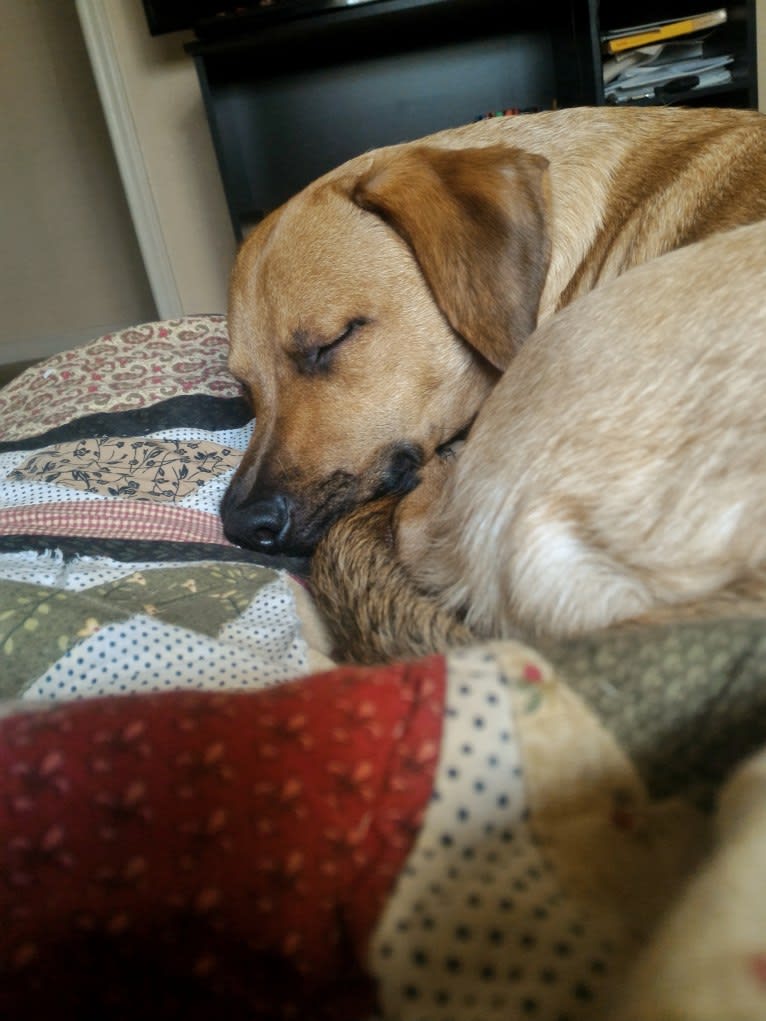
(369, 318)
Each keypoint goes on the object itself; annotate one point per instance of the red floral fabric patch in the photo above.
(190, 853)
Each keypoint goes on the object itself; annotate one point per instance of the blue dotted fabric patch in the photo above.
(479, 927)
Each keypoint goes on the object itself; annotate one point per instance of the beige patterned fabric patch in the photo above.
(124, 371)
(134, 467)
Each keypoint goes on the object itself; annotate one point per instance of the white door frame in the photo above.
(130, 160)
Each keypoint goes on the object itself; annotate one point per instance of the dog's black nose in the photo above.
(269, 523)
(262, 523)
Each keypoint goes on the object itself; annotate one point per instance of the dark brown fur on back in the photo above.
(676, 196)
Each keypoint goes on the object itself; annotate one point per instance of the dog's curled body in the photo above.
(372, 314)
(620, 466)
(618, 470)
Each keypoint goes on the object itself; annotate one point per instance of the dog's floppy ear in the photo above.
(476, 220)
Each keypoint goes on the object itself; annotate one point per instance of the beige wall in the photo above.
(165, 109)
(70, 268)
(760, 15)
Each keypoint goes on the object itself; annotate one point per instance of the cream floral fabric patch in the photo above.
(138, 468)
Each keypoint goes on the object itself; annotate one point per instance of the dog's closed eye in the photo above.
(315, 357)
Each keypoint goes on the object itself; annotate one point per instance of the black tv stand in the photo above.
(293, 90)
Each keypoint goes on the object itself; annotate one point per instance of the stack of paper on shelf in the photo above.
(645, 61)
(669, 73)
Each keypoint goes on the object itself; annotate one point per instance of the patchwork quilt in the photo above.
(201, 815)
(115, 575)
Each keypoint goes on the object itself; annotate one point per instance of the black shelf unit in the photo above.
(294, 89)
(737, 36)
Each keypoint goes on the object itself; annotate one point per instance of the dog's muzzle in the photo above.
(269, 519)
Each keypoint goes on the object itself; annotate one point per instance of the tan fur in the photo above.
(425, 266)
(617, 473)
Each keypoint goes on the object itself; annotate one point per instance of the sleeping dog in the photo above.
(616, 473)
(372, 315)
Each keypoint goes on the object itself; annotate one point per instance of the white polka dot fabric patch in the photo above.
(77, 573)
(29, 493)
(101, 627)
(236, 438)
(33, 568)
(142, 655)
(268, 628)
(479, 927)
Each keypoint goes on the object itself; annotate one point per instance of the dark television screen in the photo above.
(173, 15)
